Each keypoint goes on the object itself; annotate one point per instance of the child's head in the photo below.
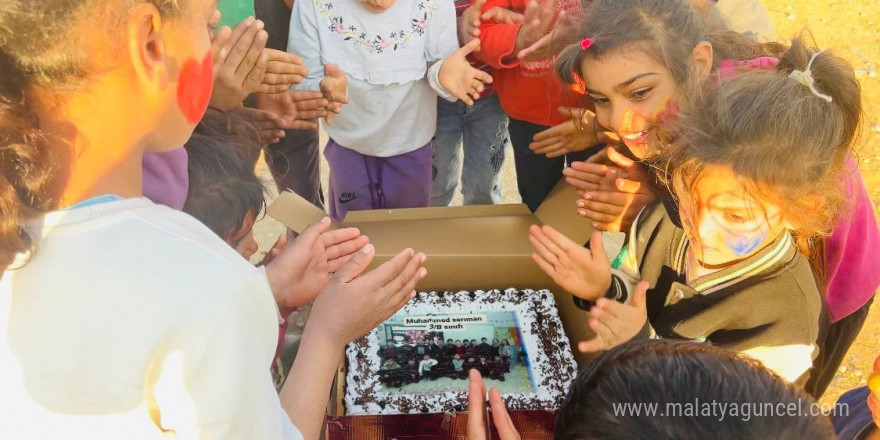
(224, 192)
(471, 359)
(426, 357)
(680, 376)
(634, 55)
(449, 342)
(497, 357)
(89, 61)
(456, 357)
(458, 343)
(483, 340)
(761, 152)
(389, 361)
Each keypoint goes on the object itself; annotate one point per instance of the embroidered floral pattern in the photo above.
(378, 43)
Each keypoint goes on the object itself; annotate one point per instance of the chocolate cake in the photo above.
(535, 378)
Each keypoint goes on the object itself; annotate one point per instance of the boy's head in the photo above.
(483, 340)
(497, 357)
(449, 342)
(673, 375)
(473, 342)
(426, 357)
(225, 193)
(457, 343)
(456, 357)
(411, 362)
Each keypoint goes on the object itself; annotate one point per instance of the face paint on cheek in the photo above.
(744, 244)
(194, 86)
(666, 110)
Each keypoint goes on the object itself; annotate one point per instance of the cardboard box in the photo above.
(468, 247)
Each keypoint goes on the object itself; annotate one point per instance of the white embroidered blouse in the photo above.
(392, 62)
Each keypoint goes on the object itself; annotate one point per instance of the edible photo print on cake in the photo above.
(418, 360)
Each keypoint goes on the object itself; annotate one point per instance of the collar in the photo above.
(778, 252)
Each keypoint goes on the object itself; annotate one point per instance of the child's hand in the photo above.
(616, 323)
(266, 122)
(577, 134)
(296, 109)
(611, 195)
(477, 422)
(469, 22)
(538, 21)
(334, 86)
(239, 63)
(282, 70)
(500, 15)
(354, 303)
(459, 78)
(302, 269)
(583, 272)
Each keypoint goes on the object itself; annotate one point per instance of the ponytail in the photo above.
(25, 168)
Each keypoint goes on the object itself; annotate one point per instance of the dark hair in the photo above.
(223, 188)
(40, 46)
(667, 30)
(787, 144)
(675, 375)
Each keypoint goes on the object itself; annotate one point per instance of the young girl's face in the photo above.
(243, 240)
(629, 89)
(726, 224)
(377, 6)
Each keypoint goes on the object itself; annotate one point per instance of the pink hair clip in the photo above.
(586, 43)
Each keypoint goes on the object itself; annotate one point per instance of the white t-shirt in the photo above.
(131, 319)
(392, 63)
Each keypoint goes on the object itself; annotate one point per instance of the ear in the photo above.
(247, 224)
(146, 45)
(701, 57)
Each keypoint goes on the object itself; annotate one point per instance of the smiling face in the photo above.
(629, 89)
(724, 222)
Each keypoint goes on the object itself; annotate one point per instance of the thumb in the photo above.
(332, 70)
(591, 346)
(619, 159)
(467, 49)
(627, 186)
(479, 4)
(356, 264)
(597, 248)
(311, 233)
(639, 296)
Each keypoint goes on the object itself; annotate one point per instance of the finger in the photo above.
(253, 66)
(283, 61)
(610, 197)
(591, 346)
(601, 207)
(383, 274)
(539, 242)
(550, 133)
(312, 114)
(500, 416)
(600, 158)
(581, 184)
(477, 427)
(467, 49)
(544, 265)
(242, 45)
(628, 186)
(603, 332)
(537, 48)
(598, 217)
(401, 287)
(356, 264)
(304, 125)
(560, 242)
(271, 89)
(342, 251)
(305, 95)
(313, 231)
(614, 317)
(219, 51)
(294, 76)
(253, 80)
(619, 159)
(640, 295)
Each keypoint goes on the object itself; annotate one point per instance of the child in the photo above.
(496, 368)
(478, 130)
(157, 326)
(411, 372)
(425, 366)
(458, 367)
(459, 350)
(672, 28)
(702, 392)
(749, 184)
(387, 60)
(224, 192)
(471, 364)
(389, 373)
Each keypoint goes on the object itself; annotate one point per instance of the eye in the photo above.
(599, 101)
(641, 93)
(734, 217)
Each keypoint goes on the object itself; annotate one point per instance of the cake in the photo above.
(406, 365)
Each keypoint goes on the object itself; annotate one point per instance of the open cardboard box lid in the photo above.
(468, 247)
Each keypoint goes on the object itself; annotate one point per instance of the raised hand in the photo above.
(282, 70)
(354, 303)
(538, 21)
(239, 63)
(611, 195)
(578, 133)
(302, 269)
(334, 86)
(616, 323)
(295, 109)
(585, 273)
(267, 123)
(469, 22)
(477, 422)
(459, 78)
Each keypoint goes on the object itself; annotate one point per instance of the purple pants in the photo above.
(359, 182)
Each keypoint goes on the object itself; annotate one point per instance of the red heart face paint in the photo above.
(194, 88)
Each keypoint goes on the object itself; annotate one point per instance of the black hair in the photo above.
(675, 376)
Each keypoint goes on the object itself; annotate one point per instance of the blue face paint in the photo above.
(744, 245)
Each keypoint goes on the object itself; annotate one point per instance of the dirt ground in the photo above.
(852, 29)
